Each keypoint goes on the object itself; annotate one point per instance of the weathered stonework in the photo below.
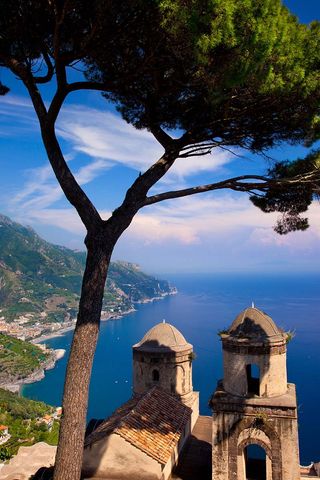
(174, 369)
(163, 358)
(142, 440)
(260, 411)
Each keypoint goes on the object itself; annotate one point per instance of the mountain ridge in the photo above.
(40, 282)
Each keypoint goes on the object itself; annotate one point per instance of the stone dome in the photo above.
(163, 337)
(252, 323)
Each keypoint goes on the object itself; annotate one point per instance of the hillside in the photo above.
(25, 420)
(17, 406)
(19, 359)
(40, 282)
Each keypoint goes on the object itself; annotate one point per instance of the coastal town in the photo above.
(26, 328)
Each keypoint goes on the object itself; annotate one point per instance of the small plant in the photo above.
(5, 454)
(260, 419)
(224, 331)
(290, 335)
(192, 356)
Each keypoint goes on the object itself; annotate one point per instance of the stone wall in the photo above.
(170, 371)
(273, 427)
(273, 373)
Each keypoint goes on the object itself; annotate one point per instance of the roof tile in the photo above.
(152, 423)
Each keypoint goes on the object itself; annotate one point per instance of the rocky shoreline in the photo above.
(15, 384)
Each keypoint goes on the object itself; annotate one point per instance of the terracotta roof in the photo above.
(163, 337)
(152, 423)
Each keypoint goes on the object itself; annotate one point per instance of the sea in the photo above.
(204, 305)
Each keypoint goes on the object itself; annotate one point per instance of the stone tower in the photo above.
(254, 404)
(164, 358)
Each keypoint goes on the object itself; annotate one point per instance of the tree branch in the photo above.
(235, 183)
(50, 71)
(238, 184)
(161, 136)
(56, 104)
(60, 65)
(84, 85)
(72, 190)
(136, 194)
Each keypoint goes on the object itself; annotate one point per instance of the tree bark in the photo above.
(75, 398)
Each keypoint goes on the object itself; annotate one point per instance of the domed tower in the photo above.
(254, 356)
(253, 406)
(163, 358)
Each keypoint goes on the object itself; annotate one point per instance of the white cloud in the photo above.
(16, 101)
(66, 219)
(105, 135)
(153, 229)
(106, 140)
(194, 221)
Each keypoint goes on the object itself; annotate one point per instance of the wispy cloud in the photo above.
(106, 136)
(16, 116)
(65, 219)
(16, 101)
(97, 141)
(105, 141)
(193, 221)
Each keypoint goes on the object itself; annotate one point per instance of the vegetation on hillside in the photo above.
(23, 419)
(37, 277)
(18, 358)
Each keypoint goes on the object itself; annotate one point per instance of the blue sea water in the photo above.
(204, 305)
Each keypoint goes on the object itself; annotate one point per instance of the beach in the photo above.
(105, 317)
(56, 333)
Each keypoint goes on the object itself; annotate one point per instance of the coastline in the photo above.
(57, 333)
(105, 317)
(56, 354)
(16, 385)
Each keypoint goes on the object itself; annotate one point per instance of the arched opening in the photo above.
(253, 379)
(155, 375)
(255, 463)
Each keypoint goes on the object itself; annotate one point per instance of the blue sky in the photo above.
(205, 233)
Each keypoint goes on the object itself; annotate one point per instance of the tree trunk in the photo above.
(76, 388)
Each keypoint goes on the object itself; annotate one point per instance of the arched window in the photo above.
(255, 462)
(155, 375)
(253, 379)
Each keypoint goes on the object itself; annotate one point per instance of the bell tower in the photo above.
(255, 430)
(163, 358)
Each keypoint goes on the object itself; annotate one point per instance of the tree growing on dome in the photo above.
(199, 76)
